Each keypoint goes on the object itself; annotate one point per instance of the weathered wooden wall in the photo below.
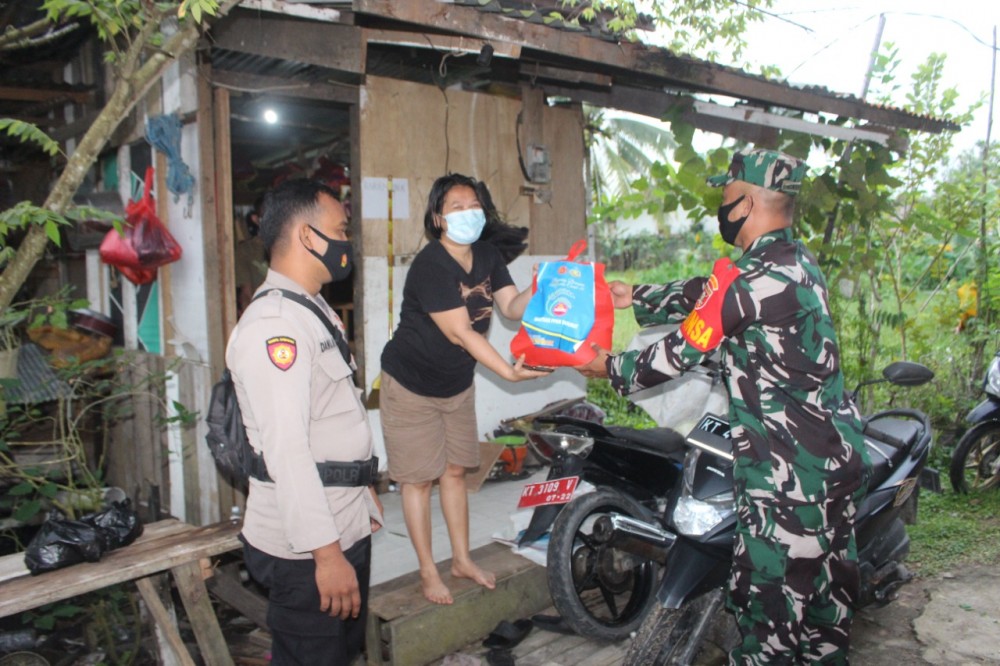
(142, 452)
(421, 132)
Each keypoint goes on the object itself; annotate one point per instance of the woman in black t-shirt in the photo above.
(427, 398)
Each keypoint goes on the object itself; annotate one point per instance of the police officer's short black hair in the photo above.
(435, 200)
(285, 202)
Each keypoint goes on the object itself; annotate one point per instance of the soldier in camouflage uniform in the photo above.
(800, 458)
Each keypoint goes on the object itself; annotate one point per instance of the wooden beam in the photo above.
(26, 94)
(537, 72)
(404, 628)
(662, 68)
(425, 40)
(294, 9)
(328, 45)
(340, 93)
(41, 121)
(227, 587)
(76, 128)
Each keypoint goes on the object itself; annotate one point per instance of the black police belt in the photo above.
(332, 473)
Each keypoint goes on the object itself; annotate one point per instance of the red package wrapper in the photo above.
(145, 244)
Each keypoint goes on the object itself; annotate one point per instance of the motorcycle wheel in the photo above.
(675, 635)
(975, 464)
(600, 591)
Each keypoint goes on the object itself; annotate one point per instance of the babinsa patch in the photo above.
(281, 350)
(703, 327)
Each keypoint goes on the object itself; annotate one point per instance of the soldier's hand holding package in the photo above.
(621, 297)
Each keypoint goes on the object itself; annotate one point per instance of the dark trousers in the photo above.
(302, 635)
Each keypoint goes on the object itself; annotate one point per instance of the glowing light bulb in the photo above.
(270, 116)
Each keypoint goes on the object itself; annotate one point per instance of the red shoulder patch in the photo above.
(703, 327)
(281, 350)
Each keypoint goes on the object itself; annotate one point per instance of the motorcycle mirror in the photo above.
(907, 373)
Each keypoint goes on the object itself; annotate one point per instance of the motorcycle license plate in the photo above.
(712, 434)
(553, 491)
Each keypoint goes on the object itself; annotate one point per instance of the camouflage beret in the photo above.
(765, 168)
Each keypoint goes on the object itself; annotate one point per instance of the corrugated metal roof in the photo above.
(628, 68)
(36, 381)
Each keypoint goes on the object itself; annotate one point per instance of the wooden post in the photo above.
(164, 625)
(194, 595)
(224, 213)
(217, 225)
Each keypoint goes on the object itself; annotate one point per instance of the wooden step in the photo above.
(405, 629)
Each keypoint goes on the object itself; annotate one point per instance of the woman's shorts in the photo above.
(422, 433)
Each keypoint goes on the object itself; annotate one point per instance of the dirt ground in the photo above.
(951, 619)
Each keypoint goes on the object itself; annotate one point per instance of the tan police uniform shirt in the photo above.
(300, 406)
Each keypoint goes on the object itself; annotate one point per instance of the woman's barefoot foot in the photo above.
(435, 591)
(470, 570)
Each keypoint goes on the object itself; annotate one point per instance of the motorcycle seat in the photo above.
(657, 440)
(889, 440)
(897, 433)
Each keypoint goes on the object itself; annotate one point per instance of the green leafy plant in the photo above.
(139, 53)
(70, 482)
(699, 27)
(27, 132)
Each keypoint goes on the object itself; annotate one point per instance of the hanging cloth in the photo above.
(164, 134)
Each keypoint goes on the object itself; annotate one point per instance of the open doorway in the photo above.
(273, 139)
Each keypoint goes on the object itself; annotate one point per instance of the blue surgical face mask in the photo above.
(465, 226)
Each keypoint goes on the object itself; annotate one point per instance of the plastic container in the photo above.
(514, 452)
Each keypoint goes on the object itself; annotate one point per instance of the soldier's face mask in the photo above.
(338, 257)
(730, 229)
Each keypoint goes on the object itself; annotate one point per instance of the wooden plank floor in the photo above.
(547, 648)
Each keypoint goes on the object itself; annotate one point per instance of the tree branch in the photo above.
(28, 36)
(128, 91)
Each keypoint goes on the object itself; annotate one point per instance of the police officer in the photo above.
(310, 514)
(800, 458)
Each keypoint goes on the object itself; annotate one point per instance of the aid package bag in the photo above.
(570, 308)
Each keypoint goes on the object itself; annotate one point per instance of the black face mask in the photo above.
(338, 258)
(730, 229)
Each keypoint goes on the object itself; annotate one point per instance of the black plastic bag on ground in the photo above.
(61, 542)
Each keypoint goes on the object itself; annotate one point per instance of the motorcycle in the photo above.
(693, 538)
(978, 450)
(598, 590)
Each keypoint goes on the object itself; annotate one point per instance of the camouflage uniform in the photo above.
(800, 458)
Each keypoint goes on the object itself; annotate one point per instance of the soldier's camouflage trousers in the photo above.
(795, 578)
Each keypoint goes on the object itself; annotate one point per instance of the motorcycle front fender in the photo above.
(543, 516)
(691, 569)
(987, 410)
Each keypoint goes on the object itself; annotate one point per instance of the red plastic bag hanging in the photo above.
(570, 308)
(145, 244)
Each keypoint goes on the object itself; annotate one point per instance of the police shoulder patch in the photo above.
(703, 326)
(281, 350)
